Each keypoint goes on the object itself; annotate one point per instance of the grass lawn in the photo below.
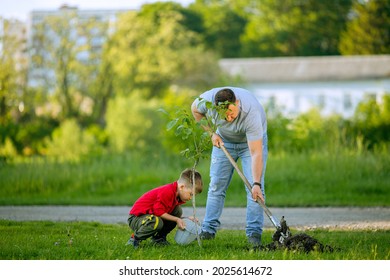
(95, 241)
(296, 180)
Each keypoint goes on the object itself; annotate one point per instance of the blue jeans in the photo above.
(221, 172)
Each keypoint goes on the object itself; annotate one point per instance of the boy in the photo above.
(157, 212)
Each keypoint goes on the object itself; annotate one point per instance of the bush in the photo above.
(133, 123)
(8, 150)
(70, 142)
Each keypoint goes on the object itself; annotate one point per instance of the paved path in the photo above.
(232, 218)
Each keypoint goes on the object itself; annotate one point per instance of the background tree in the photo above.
(153, 55)
(103, 88)
(67, 50)
(54, 53)
(133, 125)
(223, 26)
(94, 75)
(368, 31)
(371, 122)
(295, 28)
(14, 99)
(13, 63)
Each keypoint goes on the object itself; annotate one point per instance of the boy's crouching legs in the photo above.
(161, 236)
(144, 226)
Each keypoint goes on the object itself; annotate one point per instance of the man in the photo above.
(243, 132)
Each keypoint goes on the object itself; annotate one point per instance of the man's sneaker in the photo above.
(161, 241)
(255, 240)
(133, 241)
(204, 235)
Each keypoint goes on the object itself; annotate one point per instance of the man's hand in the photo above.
(216, 140)
(256, 193)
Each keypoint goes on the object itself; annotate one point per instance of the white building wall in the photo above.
(330, 97)
(335, 84)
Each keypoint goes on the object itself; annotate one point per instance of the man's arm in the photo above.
(195, 112)
(256, 150)
(215, 138)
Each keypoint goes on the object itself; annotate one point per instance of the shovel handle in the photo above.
(248, 185)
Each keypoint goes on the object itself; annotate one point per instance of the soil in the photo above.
(283, 239)
(298, 242)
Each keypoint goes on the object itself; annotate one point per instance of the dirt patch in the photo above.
(298, 242)
(284, 239)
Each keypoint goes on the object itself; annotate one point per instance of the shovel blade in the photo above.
(282, 233)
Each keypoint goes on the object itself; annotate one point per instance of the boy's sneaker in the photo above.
(204, 235)
(133, 241)
(255, 240)
(161, 241)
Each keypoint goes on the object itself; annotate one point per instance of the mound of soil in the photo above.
(299, 242)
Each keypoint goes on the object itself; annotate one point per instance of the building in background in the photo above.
(81, 35)
(294, 85)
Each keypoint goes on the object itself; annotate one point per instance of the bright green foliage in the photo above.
(13, 68)
(7, 149)
(133, 123)
(368, 129)
(307, 132)
(57, 57)
(295, 28)
(372, 122)
(153, 55)
(368, 31)
(63, 48)
(70, 142)
(223, 27)
(193, 138)
(161, 51)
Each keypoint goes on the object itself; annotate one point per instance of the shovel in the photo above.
(282, 230)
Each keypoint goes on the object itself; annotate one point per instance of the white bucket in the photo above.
(186, 236)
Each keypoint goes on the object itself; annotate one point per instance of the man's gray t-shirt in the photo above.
(251, 122)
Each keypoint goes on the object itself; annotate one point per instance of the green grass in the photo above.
(316, 179)
(95, 241)
(329, 180)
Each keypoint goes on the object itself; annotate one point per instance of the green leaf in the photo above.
(172, 123)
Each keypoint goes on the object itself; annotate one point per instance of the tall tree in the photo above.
(54, 54)
(66, 54)
(13, 63)
(368, 31)
(223, 26)
(295, 28)
(155, 50)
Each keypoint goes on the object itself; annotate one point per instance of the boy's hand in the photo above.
(192, 218)
(181, 224)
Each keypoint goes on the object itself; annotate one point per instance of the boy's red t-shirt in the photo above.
(157, 201)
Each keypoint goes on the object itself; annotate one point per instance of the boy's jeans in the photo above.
(221, 172)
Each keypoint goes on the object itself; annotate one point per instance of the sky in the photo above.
(20, 9)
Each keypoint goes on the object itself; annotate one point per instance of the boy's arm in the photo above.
(180, 223)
